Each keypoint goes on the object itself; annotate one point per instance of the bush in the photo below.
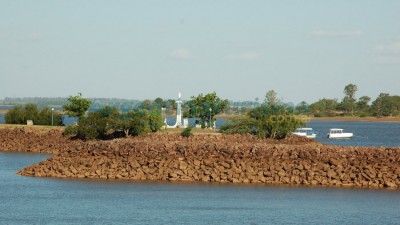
(108, 122)
(187, 132)
(264, 121)
(19, 115)
(239, 125)
(96, 125)
(70, 130)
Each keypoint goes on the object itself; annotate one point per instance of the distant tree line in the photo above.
(383, 105)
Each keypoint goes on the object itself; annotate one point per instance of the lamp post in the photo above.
(210, 119)
(164, 117)
(52, 116)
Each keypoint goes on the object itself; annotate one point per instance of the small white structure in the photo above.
(338, 133)
(305, 132)
(178, 122)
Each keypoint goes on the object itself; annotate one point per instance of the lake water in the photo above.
(28, 200)
(365, 133)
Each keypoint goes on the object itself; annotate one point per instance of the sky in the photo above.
(305, 50)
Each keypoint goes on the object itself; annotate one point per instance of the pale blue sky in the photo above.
(303, 49)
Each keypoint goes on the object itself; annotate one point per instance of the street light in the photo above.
(210, 118)
(52, 116)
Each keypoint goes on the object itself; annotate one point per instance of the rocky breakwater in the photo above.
(34, 139)
(225, 158)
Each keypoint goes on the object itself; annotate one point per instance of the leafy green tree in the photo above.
(99, 124)
(155, 120)
(77, 106)
(349, 99)
(239, 125)
(15, 116)
(271, 99)
(362, 105)
(302, 108)
(140, 123)
(386, 105)
(159, 103)
(125, 122)
(205, 107)
(324, 107)
(265, 121)
(146, 104)
(19, 115)
(31, 112)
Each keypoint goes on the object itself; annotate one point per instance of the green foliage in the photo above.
(187, 132)
(155, 120)
(105, 122)
(239, 125)
(265, 121)
(324, 107)
(77, 106)
(200, 107)
(19, 115)
(275, 121)
(271, 99)
(386, 105)
(95, 125)
(140, 122)
(16, 116)
(71, 130)
(350, 91)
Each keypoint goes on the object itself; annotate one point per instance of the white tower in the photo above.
(179, 111)
(178, 122)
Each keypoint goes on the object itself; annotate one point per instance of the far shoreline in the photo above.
(358, 119)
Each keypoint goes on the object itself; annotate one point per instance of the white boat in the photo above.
(338, 133)
(305, 132)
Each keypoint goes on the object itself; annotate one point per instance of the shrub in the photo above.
(19, 115)
(70, 130)
(96, 125)
(239, 125)
(264, 121)
(187, 132)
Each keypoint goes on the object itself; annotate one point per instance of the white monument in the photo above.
(178, 122)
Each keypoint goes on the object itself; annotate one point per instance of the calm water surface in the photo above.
(27, 200)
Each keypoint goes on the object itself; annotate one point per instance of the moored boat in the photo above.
(305, 132)
(338, 133)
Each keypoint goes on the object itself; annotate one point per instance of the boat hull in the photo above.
(342, 135)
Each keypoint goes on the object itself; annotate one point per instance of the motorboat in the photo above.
(338, 133)
(305, 132)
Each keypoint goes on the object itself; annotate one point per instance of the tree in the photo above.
(146, 104)
(270, 98)
(125, 122)
(15, 116)
(362, 105)
(349, 99)
(386, 105)
(205, 107)
(265, 121)
(324, 107)
(95, 125)
(19, 115)
(302, 108)
(77, 106)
